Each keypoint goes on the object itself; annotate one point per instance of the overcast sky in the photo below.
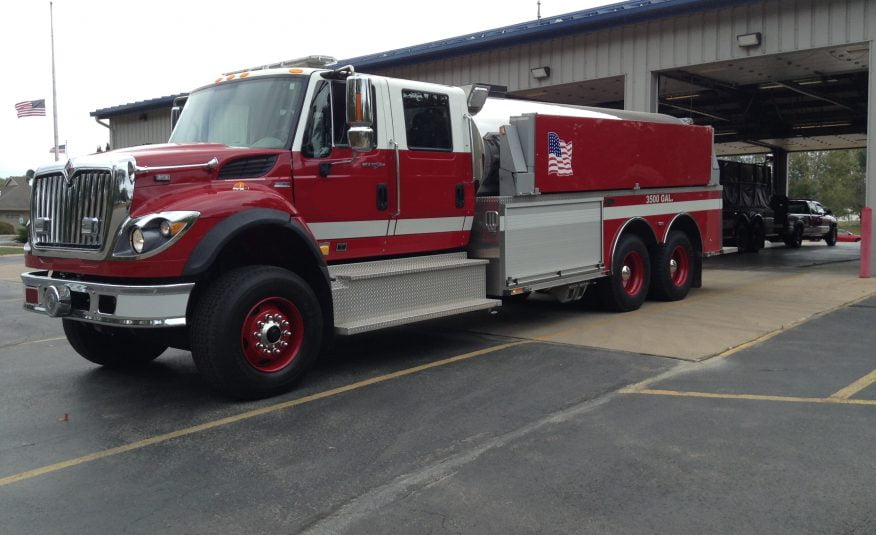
(114, 52)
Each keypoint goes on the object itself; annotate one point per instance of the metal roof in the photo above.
(597, 18)
(134, 107)
(627, 12)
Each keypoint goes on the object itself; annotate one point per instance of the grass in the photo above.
(854, 227)
(11, 250)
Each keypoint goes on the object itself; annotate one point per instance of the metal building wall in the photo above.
(640, 49)
(135, 129)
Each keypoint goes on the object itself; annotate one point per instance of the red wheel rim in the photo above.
(272, 334)
(679, 266)
(633, 273)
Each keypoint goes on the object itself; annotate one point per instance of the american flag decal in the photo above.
(559, 155)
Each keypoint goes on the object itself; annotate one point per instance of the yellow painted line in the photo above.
(749, 397)
(751, 343)
(245, 415)
(856, 387)
(661, 309)
(30, 342)
(783, 328)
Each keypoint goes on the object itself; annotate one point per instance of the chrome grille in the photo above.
(58, 209)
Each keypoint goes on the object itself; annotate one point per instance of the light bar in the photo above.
(312, 62)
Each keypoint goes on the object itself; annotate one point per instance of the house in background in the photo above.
(14, 204)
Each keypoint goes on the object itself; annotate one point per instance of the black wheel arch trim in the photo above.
(211, 245)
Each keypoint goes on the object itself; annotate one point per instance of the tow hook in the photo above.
(57, 301)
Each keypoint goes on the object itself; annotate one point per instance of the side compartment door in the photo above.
(435, 169)
(346, 201)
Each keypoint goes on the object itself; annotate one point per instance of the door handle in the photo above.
(382, 197)
(460, 195)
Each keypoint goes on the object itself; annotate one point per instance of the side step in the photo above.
(375, 295)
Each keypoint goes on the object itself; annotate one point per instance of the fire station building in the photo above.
(771, 76)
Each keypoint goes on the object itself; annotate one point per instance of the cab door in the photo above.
(435, 169)
(346, 199)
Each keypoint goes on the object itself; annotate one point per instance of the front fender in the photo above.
(221, 234)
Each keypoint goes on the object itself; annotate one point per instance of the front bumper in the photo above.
(146, 306)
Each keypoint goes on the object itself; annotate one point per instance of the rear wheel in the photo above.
(743, 235)
(758, 237)
(627, 287)
(830, 237)
(113, 347)
(672, 268)
(795, 239)
(255, 331)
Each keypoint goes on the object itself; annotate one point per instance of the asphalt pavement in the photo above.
(442, 428)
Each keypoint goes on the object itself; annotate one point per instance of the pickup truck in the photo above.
(809, 220)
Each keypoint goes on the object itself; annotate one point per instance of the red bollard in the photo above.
(866, 241)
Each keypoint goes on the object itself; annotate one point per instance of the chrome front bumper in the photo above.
(114, 304)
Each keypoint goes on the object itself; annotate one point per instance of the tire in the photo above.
(743, 236)
(255, 331)
(112, 347)
(627, 286)
(795, 239)
(672, 268)
(830, 237)
(758, 237)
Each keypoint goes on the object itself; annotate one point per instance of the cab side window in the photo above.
(327, 120)
(427, 120)
(318, 131)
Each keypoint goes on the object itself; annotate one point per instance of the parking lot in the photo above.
(746, 408)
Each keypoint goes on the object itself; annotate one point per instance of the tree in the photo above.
(834, 178)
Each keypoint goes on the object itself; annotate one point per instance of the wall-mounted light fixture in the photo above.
(540, 73)
(748, 39)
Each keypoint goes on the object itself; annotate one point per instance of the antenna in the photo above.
(538, 3)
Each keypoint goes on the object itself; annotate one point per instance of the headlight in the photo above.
(138, 240)
(149, 235)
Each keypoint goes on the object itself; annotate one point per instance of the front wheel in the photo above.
(627, 287)
(672, 268)
(830, 237)
(255, 331)
(112, 347)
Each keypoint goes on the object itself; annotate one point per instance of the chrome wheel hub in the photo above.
(673, 266)
(273, 333)
(626, 273)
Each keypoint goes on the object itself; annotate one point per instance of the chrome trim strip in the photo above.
(620, 232)
(136, 306)
(674, 219)
(209, 166)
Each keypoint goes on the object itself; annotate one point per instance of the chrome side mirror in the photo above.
(361, 138)
(477, 97)
(360, 113)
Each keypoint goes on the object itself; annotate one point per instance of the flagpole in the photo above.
(54, 91)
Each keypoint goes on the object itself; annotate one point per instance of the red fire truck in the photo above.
(294, 204)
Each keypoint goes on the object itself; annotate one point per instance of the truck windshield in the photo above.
(255, 113)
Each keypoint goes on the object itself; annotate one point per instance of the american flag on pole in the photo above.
(559, 155)
(31, 108)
